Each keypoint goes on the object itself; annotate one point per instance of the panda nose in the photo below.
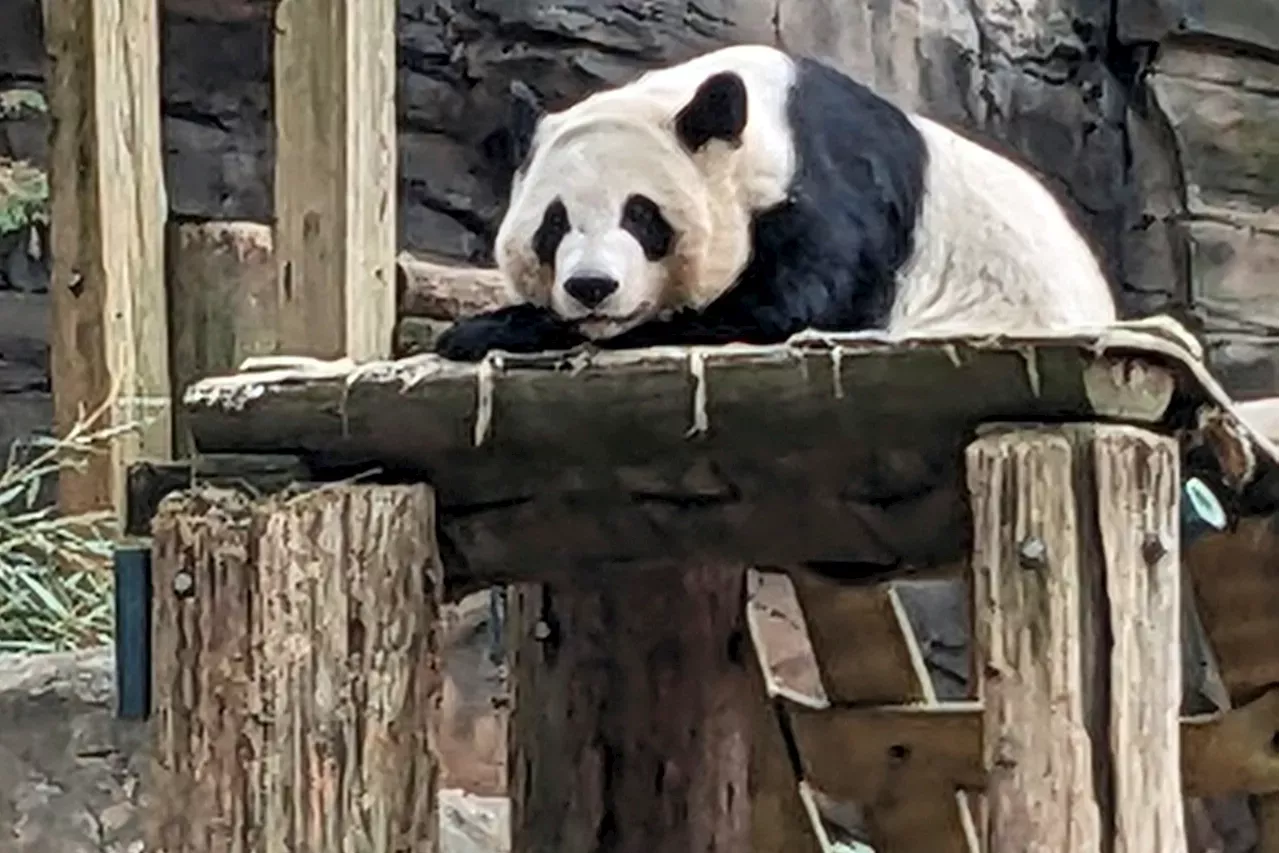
(590, 290)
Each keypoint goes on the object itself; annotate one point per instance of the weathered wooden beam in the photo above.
(1232, 751)
(632, 716)
(255, 475)
(784, 816)
(444, 291)
(297, 673)
(653, 454)
(335, 181)
(867, 654)
(1076, 632)
(110, 343)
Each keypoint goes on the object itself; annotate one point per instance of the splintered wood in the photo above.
(1076, 632)
(297, 672)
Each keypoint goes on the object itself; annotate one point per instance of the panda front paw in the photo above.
(516, 329)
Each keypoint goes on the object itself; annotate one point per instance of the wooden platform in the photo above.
(845, 454)
(840, 449)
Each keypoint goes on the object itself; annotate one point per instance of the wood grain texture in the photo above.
(784, 818)
(335, 181)
(762, 455)
(444, 291)
(222, 302)
(1138, 484)
(298, 710)
(1041, 675)
(1078, 709)
(107, 200)
(632, 722)
(208, 723)
(906, 775)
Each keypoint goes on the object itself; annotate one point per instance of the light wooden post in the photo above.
(222, 302)
(335, 179)
(107, 237)
(297, 673)
(632, 714)
(1077, 637)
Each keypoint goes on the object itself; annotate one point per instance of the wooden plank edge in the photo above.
(1230, 752)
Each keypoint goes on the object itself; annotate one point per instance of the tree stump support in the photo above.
(1076, 591)
(296, 671)
(632, 713)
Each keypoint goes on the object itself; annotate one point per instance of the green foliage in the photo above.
(55, 573)
(24, 195)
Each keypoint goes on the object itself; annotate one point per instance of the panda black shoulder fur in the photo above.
(747, 195)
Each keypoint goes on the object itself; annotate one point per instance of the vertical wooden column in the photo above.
(222, 302)
(110, 344)
(632, 717)
(335, 179)
(1077, 620)
(297, 673)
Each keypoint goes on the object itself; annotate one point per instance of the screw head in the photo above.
(183, 584)
(1152, 548)
(1032, 553)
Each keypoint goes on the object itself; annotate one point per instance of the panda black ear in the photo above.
(522, 120)
(718, 110)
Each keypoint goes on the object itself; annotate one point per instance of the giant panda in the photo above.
(747, 195)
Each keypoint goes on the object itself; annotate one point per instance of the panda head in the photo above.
(628, 205)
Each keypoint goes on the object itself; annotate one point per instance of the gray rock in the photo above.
(1250, 22)
(1226, 143)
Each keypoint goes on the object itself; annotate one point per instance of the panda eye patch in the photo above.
(555, 224)
(642, 219)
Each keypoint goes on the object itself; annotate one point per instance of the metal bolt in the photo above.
(1152, 548)
(541, 631)
(183, 584)
(1032, 553)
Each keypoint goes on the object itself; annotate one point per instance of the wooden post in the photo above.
(1077, 636)
(632, 718)
(296, 676)
(110, 343)
(222, 302)
(335, 180)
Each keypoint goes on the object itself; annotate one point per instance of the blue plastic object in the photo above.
(133, 632)
(1200, 511)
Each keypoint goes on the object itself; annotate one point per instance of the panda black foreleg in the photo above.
(517, 329)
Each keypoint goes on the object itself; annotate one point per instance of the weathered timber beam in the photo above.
(783, 449)
(867, 653)
(858, 752)
(1232, 751)
(784, 815)
(444, 291)
(335, 178)
(109, 350)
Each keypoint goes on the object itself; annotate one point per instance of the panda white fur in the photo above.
(747, 195)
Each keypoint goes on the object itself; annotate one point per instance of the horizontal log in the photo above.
(853, 753)
(442, 291)
(841, 449)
